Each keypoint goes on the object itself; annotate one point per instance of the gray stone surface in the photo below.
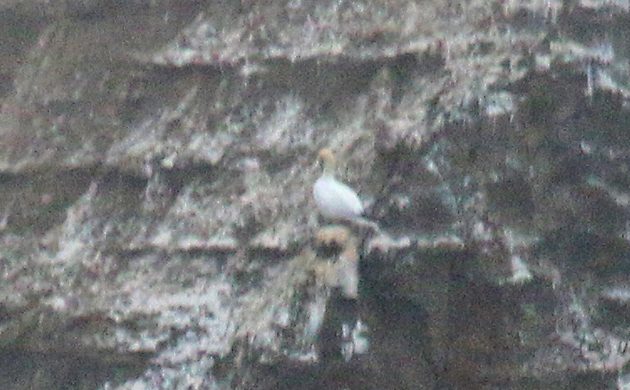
(157, 229)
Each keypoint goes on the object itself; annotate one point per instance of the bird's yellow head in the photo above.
(328, 159)
(327, 156)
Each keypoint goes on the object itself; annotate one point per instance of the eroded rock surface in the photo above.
(156, 225)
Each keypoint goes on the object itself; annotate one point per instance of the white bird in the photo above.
(334, 199)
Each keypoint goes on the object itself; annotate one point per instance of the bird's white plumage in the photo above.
(336, 200)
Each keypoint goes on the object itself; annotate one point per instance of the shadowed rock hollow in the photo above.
(156, 223)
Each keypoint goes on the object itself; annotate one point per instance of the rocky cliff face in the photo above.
(157, 229)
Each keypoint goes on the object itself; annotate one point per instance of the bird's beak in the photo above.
(318, 162)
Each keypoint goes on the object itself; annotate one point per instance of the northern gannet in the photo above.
(334, 199)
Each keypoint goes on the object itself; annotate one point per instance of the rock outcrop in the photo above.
(156, 223)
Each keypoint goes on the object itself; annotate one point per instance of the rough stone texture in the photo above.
(156, 225)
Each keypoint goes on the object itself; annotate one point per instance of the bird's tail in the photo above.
(364, 222)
